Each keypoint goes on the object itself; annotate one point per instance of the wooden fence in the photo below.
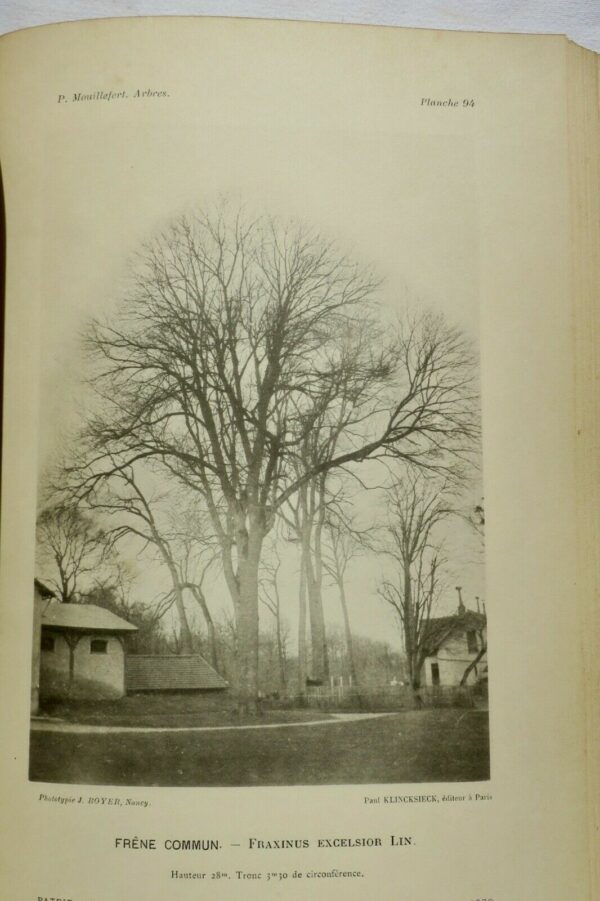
(383, 698)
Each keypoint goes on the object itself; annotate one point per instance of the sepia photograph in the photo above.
(253, 538)
(261, 516)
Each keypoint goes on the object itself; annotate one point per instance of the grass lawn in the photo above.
(430, 745)
(167, 710)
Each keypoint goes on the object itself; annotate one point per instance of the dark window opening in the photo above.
(98, 646)
(472, 642)
(435, 674)
(47, 643)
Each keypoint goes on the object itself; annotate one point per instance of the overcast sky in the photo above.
(396, 194)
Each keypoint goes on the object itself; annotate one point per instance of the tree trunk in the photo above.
(247, 625)
(319, 654)
(348, 632)
(280, 654)
(410, 642)
(185, 644)
(302, 662)
(472, 665)
(321, 632)
(185, 634)
(210, 626)
(415, 680)
(312, 568)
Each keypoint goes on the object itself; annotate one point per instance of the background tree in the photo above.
(71, 548)
(233, 342)
(271, 599)
(345, 543)
(166, 521)
(416, 506)
(195, 552)
(377, 663)
(121, 497)
(476, 519)
(112, 593)
(304, 515)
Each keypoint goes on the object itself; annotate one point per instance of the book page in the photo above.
(290, 392)
(583, 109)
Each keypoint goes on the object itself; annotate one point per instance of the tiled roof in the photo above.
(86, 617)
(170, 673)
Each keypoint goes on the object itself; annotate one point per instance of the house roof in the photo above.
(84, 617)
(42, 589)
(170, 673)
(439, 628)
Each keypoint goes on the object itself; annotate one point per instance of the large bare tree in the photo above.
(237, 337)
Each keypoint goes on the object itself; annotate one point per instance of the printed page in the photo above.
(288, 415)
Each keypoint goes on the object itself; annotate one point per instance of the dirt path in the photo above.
(44, 725)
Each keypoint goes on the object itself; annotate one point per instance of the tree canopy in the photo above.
(242, 342)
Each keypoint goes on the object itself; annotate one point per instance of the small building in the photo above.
(42, 596)
(181, 673)
(453, 643)
(82, 651)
